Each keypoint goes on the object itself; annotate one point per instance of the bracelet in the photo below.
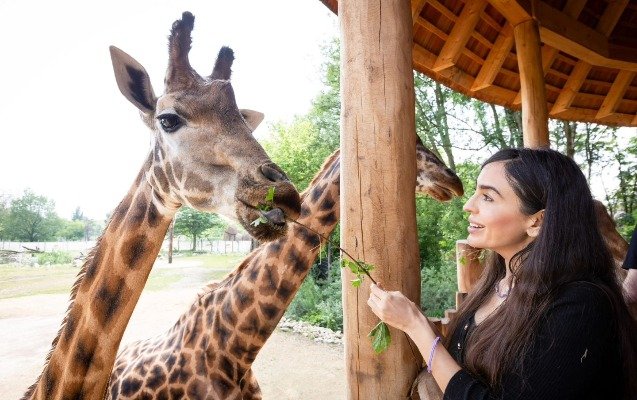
(431, 353)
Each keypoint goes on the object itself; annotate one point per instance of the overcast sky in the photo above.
(67, 132)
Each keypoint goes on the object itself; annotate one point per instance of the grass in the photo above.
(18, 280)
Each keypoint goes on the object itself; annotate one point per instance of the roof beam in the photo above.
(573, 8)
(460, 34)
(513, 10)
(571, 87)
(416, 8)
(443, 10)
(611, 15)
(616, 93)
(495, 59)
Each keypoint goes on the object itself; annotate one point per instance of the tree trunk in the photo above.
(499, 137)
(443, 126)
(569, 132)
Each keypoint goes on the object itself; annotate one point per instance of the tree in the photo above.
(4, 214)
(32, 218)
(72, 230)
(193, 223)
(300, 147)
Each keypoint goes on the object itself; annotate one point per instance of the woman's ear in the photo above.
(536, 223)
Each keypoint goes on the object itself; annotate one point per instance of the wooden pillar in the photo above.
(534, 110)
(378, 212)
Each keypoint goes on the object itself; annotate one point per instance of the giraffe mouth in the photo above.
(440, 193)
(263, 225)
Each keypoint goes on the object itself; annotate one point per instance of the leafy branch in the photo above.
(265, 207)
(380, 334)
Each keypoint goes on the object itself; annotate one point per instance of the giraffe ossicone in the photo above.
(209, 352)
(203, 155)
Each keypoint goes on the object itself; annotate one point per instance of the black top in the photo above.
(575, 354)
(631, 257)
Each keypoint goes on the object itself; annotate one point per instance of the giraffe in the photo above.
(202, 155)
(617, 245)
(208, 353)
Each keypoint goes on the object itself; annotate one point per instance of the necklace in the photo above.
(501, 295)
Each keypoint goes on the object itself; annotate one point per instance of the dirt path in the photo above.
(289, 366)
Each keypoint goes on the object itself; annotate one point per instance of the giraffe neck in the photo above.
(104, 296)
(244, 309)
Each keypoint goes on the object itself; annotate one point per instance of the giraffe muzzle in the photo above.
(275, 216)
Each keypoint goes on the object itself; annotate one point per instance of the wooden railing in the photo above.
(469, 270)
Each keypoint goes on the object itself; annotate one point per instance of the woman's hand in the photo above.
(393, 308)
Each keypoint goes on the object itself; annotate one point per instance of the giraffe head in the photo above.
(434, 177)
(203, 153)
(617, 245)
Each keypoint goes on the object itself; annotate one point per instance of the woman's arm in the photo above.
(568, 359)
(400, 312)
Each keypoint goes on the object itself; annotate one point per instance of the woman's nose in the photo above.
(468, 206)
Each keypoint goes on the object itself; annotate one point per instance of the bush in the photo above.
(55, 257)
(319, 302)
(438, 288)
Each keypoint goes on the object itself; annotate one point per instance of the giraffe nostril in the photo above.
(272, 173)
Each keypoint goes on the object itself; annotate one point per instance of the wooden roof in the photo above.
(589, 52)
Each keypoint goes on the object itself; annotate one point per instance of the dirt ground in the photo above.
(289, 366)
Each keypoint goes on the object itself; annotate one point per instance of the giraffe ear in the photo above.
(133, 81)
(253, 118)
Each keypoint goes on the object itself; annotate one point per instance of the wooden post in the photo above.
(378, 213)
(534, 109)
(468, 265)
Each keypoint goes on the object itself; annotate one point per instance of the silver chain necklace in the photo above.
(497, 291)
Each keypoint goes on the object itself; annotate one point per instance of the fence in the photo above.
(183, 244)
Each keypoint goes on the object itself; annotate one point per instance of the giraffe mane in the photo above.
(78, 281)
(317, 177)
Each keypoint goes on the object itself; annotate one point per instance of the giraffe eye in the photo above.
(170, 122)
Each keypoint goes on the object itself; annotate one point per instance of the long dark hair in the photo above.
(568, 248)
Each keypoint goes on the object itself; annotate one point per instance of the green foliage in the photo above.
(31, 218)
(358, 268)
(438, 288)
(267, 205)
(381, 338)
(193, 223)
(305, 301)
(72, 230)
(298, 149)
(319, 302)
(55, 258)
(301, 146)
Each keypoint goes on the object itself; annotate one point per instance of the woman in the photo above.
(547, 319)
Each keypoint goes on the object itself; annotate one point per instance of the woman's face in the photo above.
(495, 221)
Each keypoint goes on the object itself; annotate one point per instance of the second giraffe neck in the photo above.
(104, 297)
(250, 302)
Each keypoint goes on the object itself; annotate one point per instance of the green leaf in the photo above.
(269, 197)
(357, 282)
(463, 260)
(259, 221)
(381, 337)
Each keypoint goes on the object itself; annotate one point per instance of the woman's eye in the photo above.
(486, 197)
(170, 122)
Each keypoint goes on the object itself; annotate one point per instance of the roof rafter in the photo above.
(460, 34)
(615, 94)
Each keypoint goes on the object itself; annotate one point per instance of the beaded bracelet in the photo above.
(431, 353)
